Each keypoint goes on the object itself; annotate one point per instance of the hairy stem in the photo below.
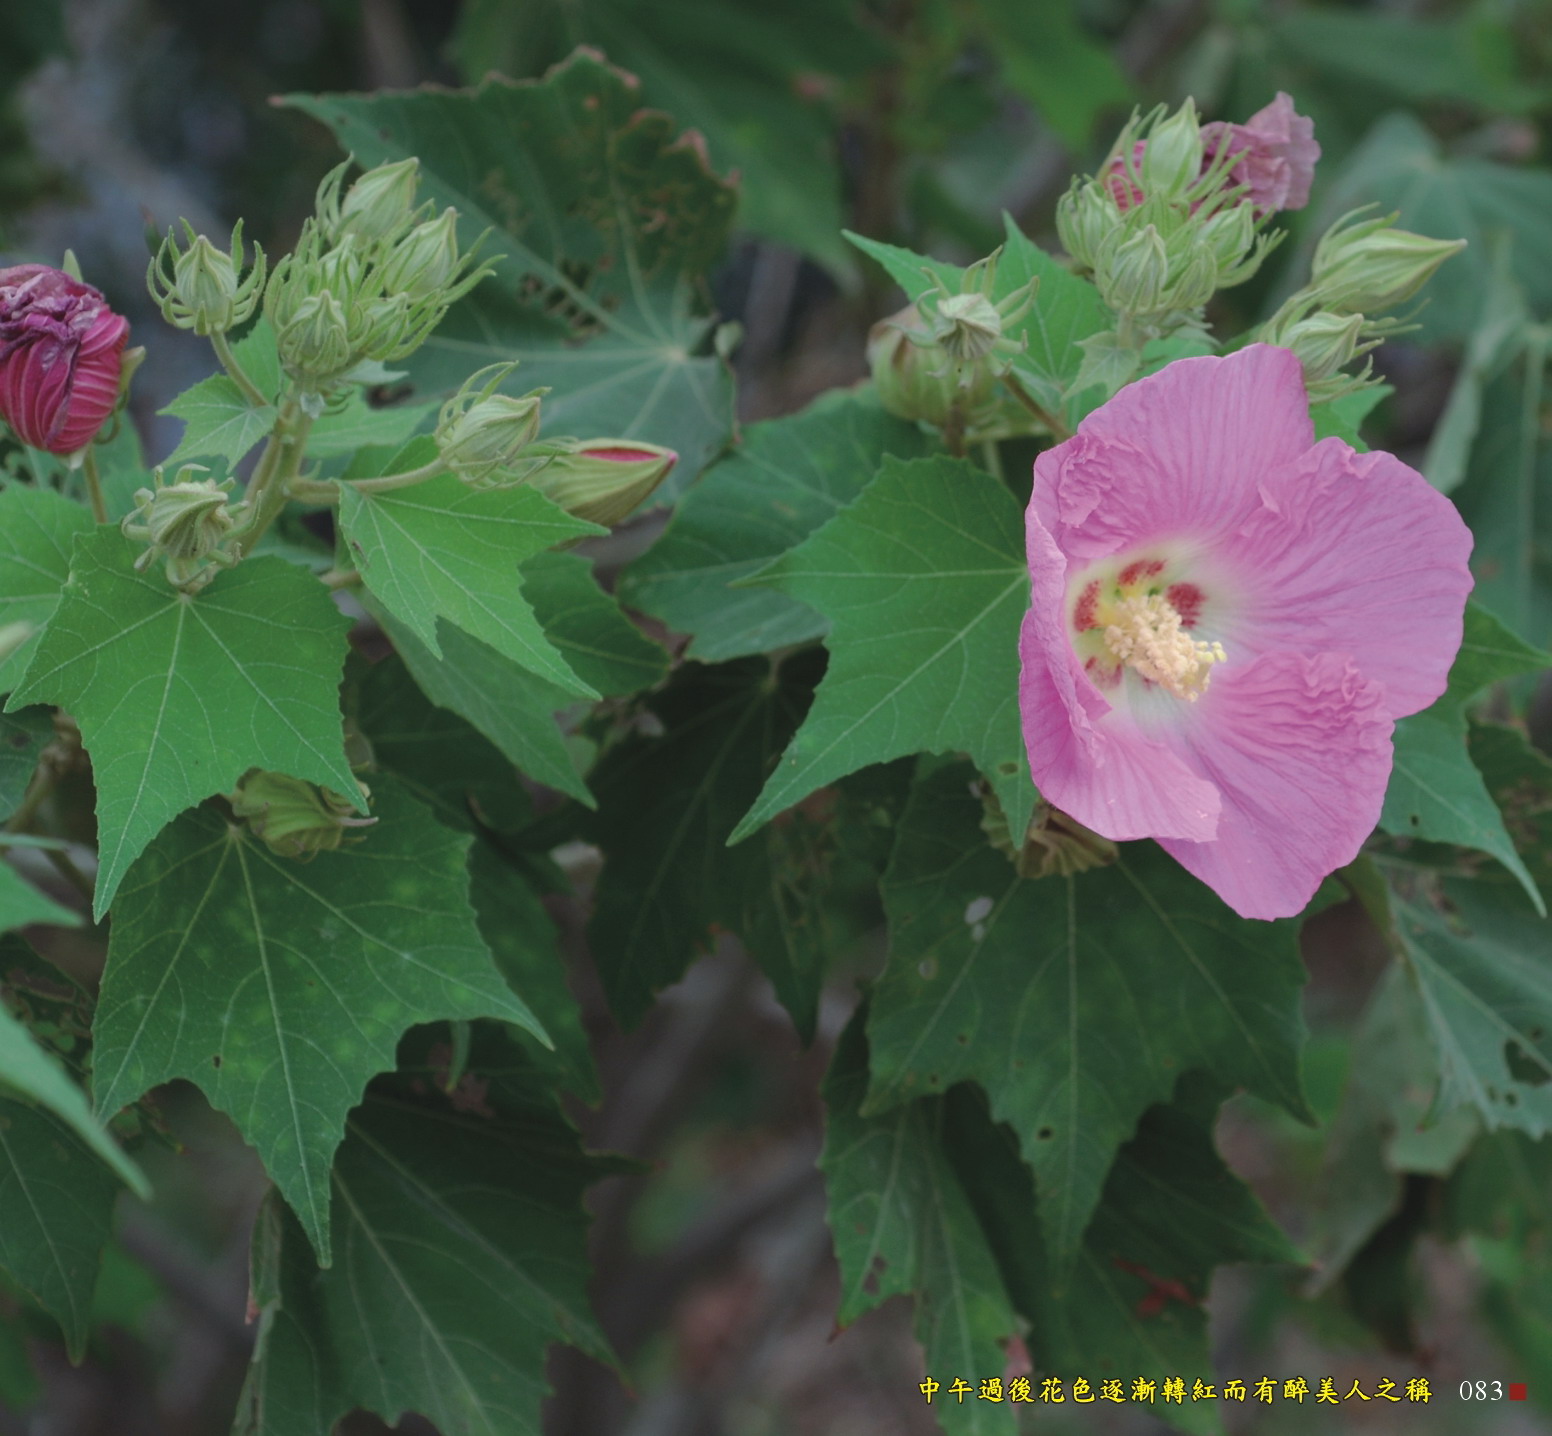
(94, 485)
(1058, 429)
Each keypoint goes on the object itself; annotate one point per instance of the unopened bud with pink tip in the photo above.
(61, 357)
(604, 480)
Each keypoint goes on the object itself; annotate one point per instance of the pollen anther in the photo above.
(1146, 633)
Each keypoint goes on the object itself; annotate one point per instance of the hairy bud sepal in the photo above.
(481, 435)
(294, 818)
(205, 291)
(186, 522)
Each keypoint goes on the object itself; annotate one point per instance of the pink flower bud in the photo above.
(61, 352)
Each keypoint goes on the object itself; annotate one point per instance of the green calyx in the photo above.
(294, 818)
(481, 435)
(189, 523)
(205, 291)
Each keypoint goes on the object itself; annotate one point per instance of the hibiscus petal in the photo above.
(1085, 759)
(1358, 554)
(1299, 748)
(1180, 452)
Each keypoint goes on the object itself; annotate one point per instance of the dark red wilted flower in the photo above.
(61, 352)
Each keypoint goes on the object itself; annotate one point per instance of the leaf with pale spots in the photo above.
(462, 1249)
(281, 987)
(924, 582)
(441, 549)
(177, 697)
(1076, 1002)
(37, 529)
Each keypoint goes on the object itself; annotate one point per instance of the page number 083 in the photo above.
(1481, 1391)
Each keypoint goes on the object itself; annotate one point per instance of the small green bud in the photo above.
(604, 480)
(481, 434)
(1085, 217)
(1173, 156)
(1133, 273)
(1228, 236)
(187, 523)
(1193, 273)
(426, 261)
(315, 346)
(968, 327)
(914, 376)
(1370, 267)
(205, 293)
(294, 818)
(382, 202)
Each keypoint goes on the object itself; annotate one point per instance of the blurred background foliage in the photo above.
(916, 122)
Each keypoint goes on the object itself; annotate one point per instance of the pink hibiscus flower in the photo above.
(1227, 620)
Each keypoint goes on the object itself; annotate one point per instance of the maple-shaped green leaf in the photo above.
(444, 550)
(461, 1245)
(667, 801)
(56, 1215)
(787, 478)
(1066, 311)
(524, 942)
(1435, 790)
(606, 221)
(1485, 975)
(27, 1070)
(1076, 1002)
(443, 760)
(37, 529)
(23, 736)
(903, 1227)
(357, 425)
(1132, 1305)
(600, 643)
(281, 987)
(219, 420)
(178, 696)
(758, 84)
(924, 582)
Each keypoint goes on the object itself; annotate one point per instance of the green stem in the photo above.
(43, 784)
(991, 456)
(336, 578)
(94, 485)
(250, 391)
(1059, 430)
(383, 483)
(277, 471)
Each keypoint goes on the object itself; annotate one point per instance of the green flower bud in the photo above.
(187, 523)
(1085, 217)
(968, 326)
(426, 261)
(604, 480)
(914, 376)
(1193, 274)
(205, 293)
(315, 346)
(1132, 274)
(1370, 267)
(381, 203)
(1228, 236)
(294, 818)
(1173, 156)
(481, 434)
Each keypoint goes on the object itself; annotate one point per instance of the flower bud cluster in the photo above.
(368, 280)
(200, 287)
(1360, 270)
(1166, 223)
(941, 360)
(188, 522)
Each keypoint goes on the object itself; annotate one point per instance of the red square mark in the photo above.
(1517, 1391)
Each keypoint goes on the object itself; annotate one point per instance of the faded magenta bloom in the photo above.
(61, 354)
(1227, 619)
(1277, 151)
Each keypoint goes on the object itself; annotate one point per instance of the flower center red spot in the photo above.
(1187, 600)
(1083, 617)
(1101, 674)
(1139, 570)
